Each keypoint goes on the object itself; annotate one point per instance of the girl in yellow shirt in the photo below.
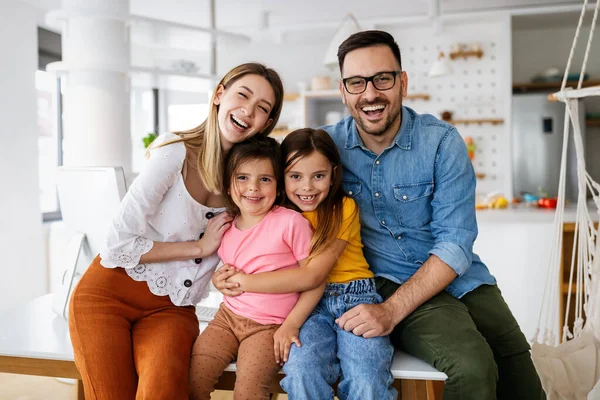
(336, 278)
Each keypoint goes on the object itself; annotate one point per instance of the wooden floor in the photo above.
(26, 387)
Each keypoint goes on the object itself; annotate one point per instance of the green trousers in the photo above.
(474, 340)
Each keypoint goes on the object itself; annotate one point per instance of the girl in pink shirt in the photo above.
(263, 237)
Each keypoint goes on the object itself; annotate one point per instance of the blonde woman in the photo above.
(132, 318)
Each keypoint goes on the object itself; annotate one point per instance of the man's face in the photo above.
(375, 111)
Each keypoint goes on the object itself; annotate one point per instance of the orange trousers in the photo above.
(129, 343)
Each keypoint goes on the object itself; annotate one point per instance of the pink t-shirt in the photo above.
(279, 241)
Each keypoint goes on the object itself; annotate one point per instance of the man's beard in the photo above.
(375, 131)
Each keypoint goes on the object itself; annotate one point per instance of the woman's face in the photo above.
(244, 109)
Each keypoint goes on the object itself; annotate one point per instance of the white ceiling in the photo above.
(295, 21)
(240, 15)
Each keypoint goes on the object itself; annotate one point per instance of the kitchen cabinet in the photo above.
(565, 270)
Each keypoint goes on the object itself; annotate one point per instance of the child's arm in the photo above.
(289, 330)
(307, 277)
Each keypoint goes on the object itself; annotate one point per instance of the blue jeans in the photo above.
(328, 352)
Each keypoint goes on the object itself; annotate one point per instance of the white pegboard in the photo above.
(478, 88)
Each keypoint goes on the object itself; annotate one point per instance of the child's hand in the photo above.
(216, 227)
(238, 278)
(283, 339)
(220, 281)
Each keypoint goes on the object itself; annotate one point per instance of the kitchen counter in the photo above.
(525, 213)
(515, 243)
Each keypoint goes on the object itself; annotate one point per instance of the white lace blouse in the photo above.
(159, 208)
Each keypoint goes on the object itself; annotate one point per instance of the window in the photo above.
(143, 122)
(49, 114)
(49, 141)
(186, 116)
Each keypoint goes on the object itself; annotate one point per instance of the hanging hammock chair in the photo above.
(569, 364)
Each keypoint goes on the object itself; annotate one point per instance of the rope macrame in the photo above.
(569, 366)
(585, 235)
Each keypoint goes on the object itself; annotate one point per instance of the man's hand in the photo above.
(219, 280)
(368, 320)
(283, 339)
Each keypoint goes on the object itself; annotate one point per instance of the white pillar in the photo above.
(23, 271)
(96, 102)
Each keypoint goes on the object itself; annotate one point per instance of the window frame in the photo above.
(46, 56)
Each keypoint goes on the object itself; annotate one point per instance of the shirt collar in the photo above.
(403, 138)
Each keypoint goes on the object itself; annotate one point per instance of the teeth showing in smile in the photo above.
(307, 198)
(373, 108)
(253, 198)
(239, 122)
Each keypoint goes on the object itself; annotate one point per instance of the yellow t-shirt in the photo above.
(352, 264)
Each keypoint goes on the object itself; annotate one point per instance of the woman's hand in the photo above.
(211, 240)
(219, 280)
(283, 339)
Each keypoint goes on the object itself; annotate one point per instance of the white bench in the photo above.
(35, 341)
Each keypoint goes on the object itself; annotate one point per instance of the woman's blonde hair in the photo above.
(205, 137)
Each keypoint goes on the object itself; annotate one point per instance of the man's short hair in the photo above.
(367, 39)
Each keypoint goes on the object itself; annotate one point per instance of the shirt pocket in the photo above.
(352, 188)
(413, 204)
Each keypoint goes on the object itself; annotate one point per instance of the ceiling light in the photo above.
(440, 67)
(349, 26)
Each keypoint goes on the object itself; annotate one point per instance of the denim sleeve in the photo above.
(454, 224)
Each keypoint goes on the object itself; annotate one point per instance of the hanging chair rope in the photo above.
(585, 235)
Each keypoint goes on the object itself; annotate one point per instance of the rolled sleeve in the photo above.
(454, 224)
(453, 255)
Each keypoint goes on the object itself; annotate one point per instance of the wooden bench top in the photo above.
(35, 341)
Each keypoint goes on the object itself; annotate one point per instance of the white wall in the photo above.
(22, 270)
(478, 88)
(297, 58)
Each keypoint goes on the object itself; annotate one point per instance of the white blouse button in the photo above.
(350, 192)
(377, 194)
(404, 197)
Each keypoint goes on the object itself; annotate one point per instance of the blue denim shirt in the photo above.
(416, 198)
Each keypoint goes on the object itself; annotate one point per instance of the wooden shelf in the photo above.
(476, 121)
(417, 96)
(466, 53)
(592, 122)
(545, 86)
(291, 96)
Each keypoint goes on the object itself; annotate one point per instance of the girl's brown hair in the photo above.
(204, 139)
(255, 148)
(302, 143)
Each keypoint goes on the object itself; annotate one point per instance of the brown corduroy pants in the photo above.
(129, 343)
(229, 337)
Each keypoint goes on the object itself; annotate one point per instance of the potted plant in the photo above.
(148, 139)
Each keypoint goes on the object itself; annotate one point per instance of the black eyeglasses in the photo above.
(382, 81)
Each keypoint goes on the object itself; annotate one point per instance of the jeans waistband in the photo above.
(354, 287)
